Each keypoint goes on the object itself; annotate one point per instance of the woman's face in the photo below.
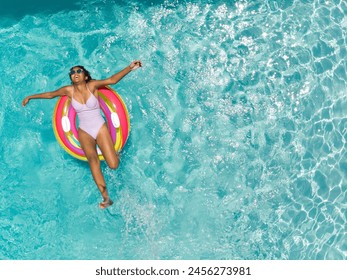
(77, 75)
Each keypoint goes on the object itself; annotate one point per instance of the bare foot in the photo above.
(106, 203)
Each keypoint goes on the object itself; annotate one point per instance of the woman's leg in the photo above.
(88, 145)
(105, 144)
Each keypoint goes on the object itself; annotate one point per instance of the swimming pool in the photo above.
(238, 140)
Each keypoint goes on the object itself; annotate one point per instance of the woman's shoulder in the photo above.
(93, 85)
(66, 90)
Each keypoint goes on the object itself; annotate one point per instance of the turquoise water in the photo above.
(238, 140)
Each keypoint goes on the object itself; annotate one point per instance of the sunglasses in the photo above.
(78, 71)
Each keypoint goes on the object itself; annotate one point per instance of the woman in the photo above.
(92, 129)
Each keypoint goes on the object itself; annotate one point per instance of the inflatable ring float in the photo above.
(114, 110)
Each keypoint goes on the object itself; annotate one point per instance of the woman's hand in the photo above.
(25, 101)
(135, 64)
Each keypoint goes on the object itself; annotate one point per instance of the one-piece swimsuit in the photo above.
(89, 115)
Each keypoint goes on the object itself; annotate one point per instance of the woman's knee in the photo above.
(113, 163)
(93, 159)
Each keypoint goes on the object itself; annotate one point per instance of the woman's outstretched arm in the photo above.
(47, 95)
(118, 76)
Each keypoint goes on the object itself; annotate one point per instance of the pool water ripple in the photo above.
(238, 140)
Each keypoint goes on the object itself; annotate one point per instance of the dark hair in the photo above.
(86, 72)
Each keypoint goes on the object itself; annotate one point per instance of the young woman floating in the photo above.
(92, 131)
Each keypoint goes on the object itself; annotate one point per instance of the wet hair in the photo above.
(85, 71)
